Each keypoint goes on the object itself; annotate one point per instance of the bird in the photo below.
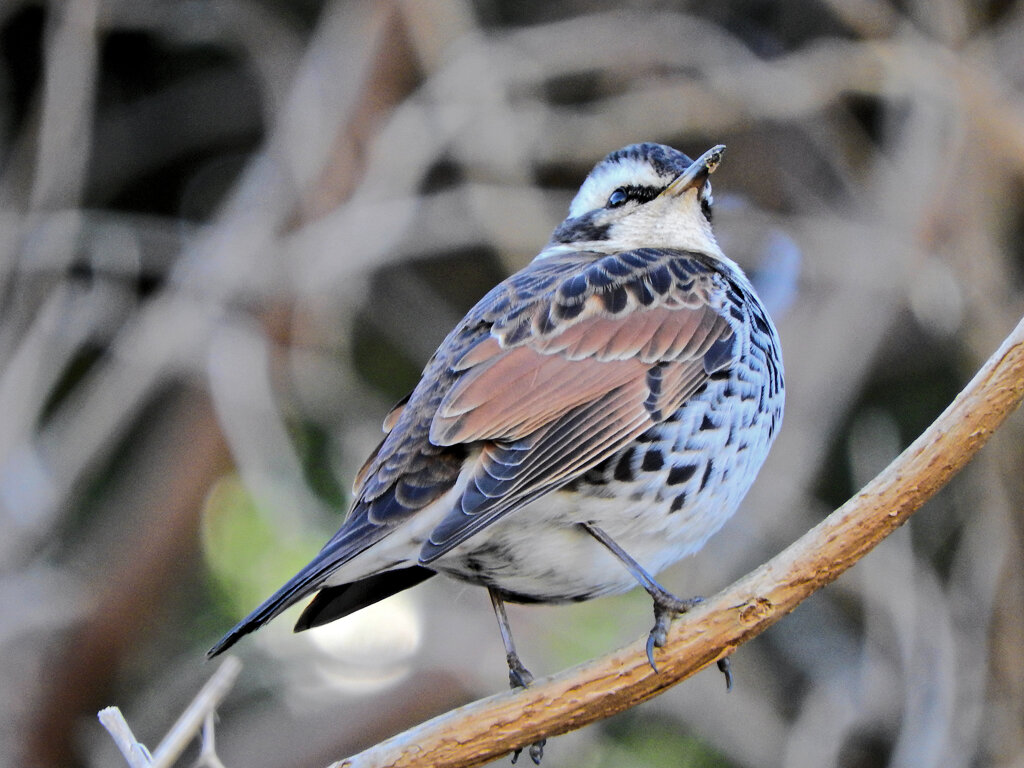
(595, 418)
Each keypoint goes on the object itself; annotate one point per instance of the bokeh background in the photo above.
(232, 231)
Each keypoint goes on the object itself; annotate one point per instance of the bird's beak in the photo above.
(697, 173)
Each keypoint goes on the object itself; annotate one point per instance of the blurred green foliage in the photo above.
(248, 550)
(640, 740)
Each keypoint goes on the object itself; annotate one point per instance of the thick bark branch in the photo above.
(486, 729)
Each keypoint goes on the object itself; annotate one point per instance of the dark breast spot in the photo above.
(682, 473)
(707, 474)
(624, 468)
(653, 460)
(761, 323)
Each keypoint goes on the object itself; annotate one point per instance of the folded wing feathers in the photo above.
(558, 356)
(577, 441)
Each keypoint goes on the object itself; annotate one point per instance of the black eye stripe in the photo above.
(632, 192)
(706, 202)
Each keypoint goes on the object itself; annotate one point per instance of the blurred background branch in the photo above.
(196, 719)
(231, 232)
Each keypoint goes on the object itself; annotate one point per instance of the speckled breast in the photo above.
(660, 497)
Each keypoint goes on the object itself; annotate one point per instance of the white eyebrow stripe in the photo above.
(606, 178)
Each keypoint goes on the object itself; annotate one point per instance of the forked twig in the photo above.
(197, 716)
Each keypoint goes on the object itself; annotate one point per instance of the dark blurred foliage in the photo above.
(232, 232)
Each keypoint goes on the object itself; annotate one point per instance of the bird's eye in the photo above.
(617, 198)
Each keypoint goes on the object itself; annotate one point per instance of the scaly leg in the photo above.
(666, 605)
(518, 675)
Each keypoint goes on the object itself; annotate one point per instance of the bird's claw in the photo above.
(725, 667)
(518, 675)
(665, 607)
(658, 635)
(651, 643)
(536, 752)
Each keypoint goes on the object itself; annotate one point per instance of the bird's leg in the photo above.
(518, 675)
(666, 605)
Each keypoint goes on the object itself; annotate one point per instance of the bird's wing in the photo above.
(565, 377)
(389, 423)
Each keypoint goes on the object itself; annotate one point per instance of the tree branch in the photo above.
(195, 715)
(486, 729)
(134, 751)
(198, 715)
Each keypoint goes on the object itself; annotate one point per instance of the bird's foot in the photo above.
(666, 605)
(536, 752)
(520, 677)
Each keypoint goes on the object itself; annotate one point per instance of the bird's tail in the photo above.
(346, 544)
(304, 583)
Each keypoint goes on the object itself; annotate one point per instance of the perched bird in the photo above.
(592, 420)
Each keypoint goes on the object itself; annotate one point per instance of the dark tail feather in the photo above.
(335, 602)
(345, 545)
(300, 585)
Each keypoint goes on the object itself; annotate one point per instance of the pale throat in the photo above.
(675, 222)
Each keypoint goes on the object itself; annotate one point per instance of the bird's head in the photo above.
(643, 196)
